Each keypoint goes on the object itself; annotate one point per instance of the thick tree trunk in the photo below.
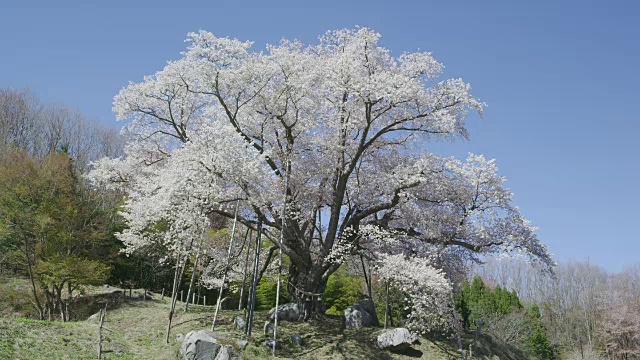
(367, 279)
(306, 288)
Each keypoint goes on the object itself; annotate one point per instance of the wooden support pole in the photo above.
(386, 304)
(174, 293)
(255, 279)
(244, 271)
(282, 230)
(102, 314)
(226, 267)
(193, 273)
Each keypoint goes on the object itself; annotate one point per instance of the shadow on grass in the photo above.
(325, 338)
(488, 346)
(410, 352)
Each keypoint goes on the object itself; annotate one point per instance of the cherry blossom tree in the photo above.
(428, 290)
(347, 123)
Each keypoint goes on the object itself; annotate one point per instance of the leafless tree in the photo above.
(28, 124)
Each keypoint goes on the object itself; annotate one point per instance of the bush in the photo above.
(266, 292)
(16, 298)
(503, 315)
(342, 291)
(537, 343)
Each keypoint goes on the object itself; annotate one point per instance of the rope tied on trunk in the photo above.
(304, 294)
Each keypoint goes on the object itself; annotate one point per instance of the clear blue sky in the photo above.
(560, 78)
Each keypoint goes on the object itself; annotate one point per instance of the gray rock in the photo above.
(199, 345)
(289, 312)
(226, 353)
(242, 344)
(239, 323)
(296, 339)
(269, 344)
(95, 318)
(268, 329)
(179, 338)
(361, 314)
(395, 339)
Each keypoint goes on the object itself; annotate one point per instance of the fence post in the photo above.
(181, 296)
(162, 298)
(205, 301)
(193, 298)
(102, 314)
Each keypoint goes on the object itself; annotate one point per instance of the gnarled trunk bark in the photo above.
(306, 288)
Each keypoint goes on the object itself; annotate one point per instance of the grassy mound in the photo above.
(135, 330)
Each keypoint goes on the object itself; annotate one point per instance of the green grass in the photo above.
(135, 330)
(15, 297)
(34, 339)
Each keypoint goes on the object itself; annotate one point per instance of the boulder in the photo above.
(242, 344)
(395, 339)
(239, 323)
(268, 329)
(361, 314)
(297, 340)
(269, 344)
(226, 353)
(289, 312)
(199, 345)
(95, 318)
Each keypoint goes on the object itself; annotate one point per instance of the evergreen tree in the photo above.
(478, 305)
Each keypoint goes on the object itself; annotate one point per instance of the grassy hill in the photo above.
(135, 330)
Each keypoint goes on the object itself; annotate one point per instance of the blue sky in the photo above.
(560, 79)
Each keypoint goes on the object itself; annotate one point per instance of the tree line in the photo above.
(53, 227)
(586, 310)
(28, 124)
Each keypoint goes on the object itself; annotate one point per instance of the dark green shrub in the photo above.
(342, 291)
(266, 292)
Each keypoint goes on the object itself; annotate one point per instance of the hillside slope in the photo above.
(135, 330)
